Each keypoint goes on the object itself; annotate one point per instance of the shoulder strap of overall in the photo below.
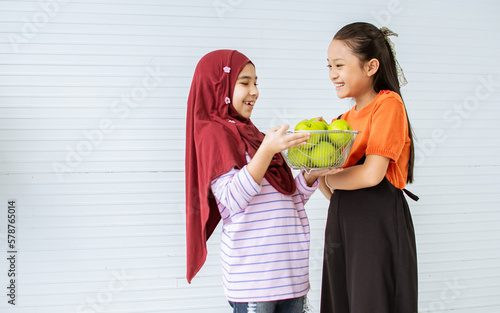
(412, 196)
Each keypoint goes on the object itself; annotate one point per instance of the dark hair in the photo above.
(368, 42)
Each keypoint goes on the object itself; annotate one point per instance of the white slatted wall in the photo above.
(92, 113)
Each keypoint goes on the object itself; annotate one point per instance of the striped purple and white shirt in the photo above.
(265, 238)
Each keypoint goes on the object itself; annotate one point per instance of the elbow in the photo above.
(373, 178)
(374, 170)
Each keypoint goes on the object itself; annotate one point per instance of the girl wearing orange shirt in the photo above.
(370, 262)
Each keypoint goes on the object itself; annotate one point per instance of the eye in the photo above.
(340, 65)
(329, 66)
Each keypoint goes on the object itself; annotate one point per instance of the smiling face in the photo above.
(245, 92)
(351, 77)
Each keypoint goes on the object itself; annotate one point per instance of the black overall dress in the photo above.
(370, 261)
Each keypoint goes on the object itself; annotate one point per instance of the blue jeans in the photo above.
(295, 305)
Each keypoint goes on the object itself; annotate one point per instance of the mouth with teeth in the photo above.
(339, 85)
(250, 103)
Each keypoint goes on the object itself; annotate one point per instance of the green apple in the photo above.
(340, 139)
(316, 120)
(311, 126)
(298, 157)
(324, 154)
(320, 125)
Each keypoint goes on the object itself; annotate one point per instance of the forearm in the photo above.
(368, 174)
(325, 190)
(304, 190)
(310, 179)
(352, 178)
(259, 164)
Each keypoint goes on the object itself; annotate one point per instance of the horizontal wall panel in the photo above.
(92, 133)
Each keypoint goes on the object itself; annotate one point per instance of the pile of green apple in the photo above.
(322, 149)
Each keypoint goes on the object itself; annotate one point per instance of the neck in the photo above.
(365, 99)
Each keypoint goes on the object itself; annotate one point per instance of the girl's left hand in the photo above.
(315, 174)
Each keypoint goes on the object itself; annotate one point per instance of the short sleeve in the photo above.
(388, 128)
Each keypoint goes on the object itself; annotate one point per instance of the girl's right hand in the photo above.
(277, 140)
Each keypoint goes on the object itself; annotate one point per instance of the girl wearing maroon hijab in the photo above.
(235, 172)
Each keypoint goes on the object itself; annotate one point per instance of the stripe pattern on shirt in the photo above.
(265, 238)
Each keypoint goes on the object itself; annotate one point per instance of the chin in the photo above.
(342, 95)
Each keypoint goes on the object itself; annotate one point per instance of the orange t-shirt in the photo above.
(383, 130)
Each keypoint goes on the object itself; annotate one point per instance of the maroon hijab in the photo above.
(216, 140)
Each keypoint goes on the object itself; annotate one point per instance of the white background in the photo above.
(92, 116)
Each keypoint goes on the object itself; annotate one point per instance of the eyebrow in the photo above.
(336, 59)
(246, 77)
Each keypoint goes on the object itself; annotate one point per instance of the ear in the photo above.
(371, 67)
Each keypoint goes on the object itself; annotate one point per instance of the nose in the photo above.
(333, 74)
(254, 91)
